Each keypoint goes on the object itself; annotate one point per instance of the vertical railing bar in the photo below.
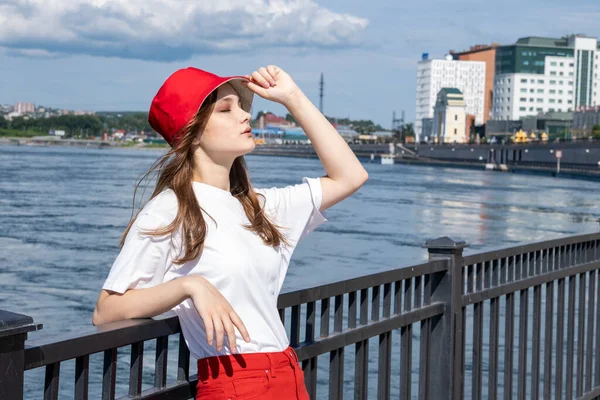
(51, 383)
(570, 336)
(160, 364)
(523, 320)
(424, 345)
(309, 366)
(325, 317)
(486, 274)
(493, 348)
(364, 306)
(398, 297)
(183, 360)
(548, 325)
(590, 330)
(477, 349)
(82, 376)
(509, 336)
(295, 326)
(375, 303)
(580, 328)
(336, 374)
(387, 300)
(110, 374)
(385, 350)
(352, 310)
(560, 320)
(597, 338)
(417, 294)
(361, 359)
(136, 365)
(406, 347)
(470, 278)
(336, 357)
(309, 327)
(495, 267)
(536, 333)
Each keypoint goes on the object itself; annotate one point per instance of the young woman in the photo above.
(212, 248)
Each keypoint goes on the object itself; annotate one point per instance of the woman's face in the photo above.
(227, 134)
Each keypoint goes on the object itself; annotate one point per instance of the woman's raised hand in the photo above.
(272, 83)
(216, 312)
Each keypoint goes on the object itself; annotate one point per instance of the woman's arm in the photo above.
(345, 173)
(217, 314)
(139, 303)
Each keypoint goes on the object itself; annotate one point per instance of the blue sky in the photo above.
(113, 55)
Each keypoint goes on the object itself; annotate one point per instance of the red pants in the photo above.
(276, 376)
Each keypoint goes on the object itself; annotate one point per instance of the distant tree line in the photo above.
(80, 126)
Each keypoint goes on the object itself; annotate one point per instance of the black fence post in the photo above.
(13, 333)
(446, 351)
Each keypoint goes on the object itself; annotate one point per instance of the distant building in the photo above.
(584, 120)
(554, 124)
(538, 75)
(426, 129)
(450, 117)
(486, 54)
(502, 128)
(346, 131)
(12, 115)
(23, 108)
(466, 76)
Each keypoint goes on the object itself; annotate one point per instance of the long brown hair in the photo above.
(175, 172)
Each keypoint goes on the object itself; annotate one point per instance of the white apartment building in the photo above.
(23, 108)
(434, 75)
(539, 75)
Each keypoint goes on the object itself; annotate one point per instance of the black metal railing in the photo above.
(513, 323)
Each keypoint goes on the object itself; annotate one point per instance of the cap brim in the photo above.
(246, 95)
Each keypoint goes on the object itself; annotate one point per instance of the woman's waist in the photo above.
(227, 365)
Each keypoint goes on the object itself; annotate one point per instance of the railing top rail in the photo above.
(48, 350)
(527, 248)
(306, 295)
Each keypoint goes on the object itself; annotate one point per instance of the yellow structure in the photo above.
(520, 137)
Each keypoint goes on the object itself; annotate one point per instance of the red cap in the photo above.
(181, 96)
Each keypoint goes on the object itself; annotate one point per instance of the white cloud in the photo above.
(168, 30)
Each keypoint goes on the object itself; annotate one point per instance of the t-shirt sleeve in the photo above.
(143, 259)
(295, 208)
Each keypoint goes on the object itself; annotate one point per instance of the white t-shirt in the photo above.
(248, 273)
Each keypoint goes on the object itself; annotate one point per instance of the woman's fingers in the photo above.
(228, 326)
(240, 325)
(273, 71)
(260, 79)
(259, 90)
(219, 330)
(267, 75)
(208, 325)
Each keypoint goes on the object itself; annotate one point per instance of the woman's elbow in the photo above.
(361, 179)
(96, 318)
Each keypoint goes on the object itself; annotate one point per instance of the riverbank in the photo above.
(464, 157)
(369, 155)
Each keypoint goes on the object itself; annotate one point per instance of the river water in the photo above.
(63, 210)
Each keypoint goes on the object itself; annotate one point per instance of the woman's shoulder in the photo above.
(163, 207)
